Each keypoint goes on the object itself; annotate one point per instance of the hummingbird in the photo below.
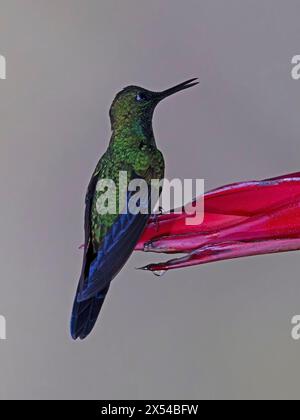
(111, 238)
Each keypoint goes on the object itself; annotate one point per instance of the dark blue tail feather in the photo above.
(85, 314)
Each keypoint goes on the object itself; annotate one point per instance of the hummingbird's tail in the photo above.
(85, 314)
(99, 269)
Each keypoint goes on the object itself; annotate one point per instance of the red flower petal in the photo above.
(227, 206)
(225, 251)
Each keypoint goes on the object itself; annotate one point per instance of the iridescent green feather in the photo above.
(132, 149)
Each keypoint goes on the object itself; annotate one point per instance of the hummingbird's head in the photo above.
(135, 105)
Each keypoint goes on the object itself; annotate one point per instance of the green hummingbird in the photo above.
(111, 238)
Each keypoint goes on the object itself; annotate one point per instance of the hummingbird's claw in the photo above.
(147, 247)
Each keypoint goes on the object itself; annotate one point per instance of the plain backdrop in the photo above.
(218, 331)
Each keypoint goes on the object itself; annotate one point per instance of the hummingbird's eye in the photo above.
(141, 97)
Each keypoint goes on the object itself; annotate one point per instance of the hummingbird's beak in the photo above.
(177, 88)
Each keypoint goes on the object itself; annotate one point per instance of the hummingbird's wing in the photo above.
(85, 314)
(100, 268)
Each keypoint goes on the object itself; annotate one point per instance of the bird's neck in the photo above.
(142, 130)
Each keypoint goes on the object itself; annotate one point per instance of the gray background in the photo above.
(217, 331)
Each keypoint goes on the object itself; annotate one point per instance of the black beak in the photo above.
(177, 88)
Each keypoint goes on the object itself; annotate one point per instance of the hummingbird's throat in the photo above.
(137, 127)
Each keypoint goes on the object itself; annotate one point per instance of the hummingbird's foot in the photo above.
(147, 246)
(82, 246)
(156, 217)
